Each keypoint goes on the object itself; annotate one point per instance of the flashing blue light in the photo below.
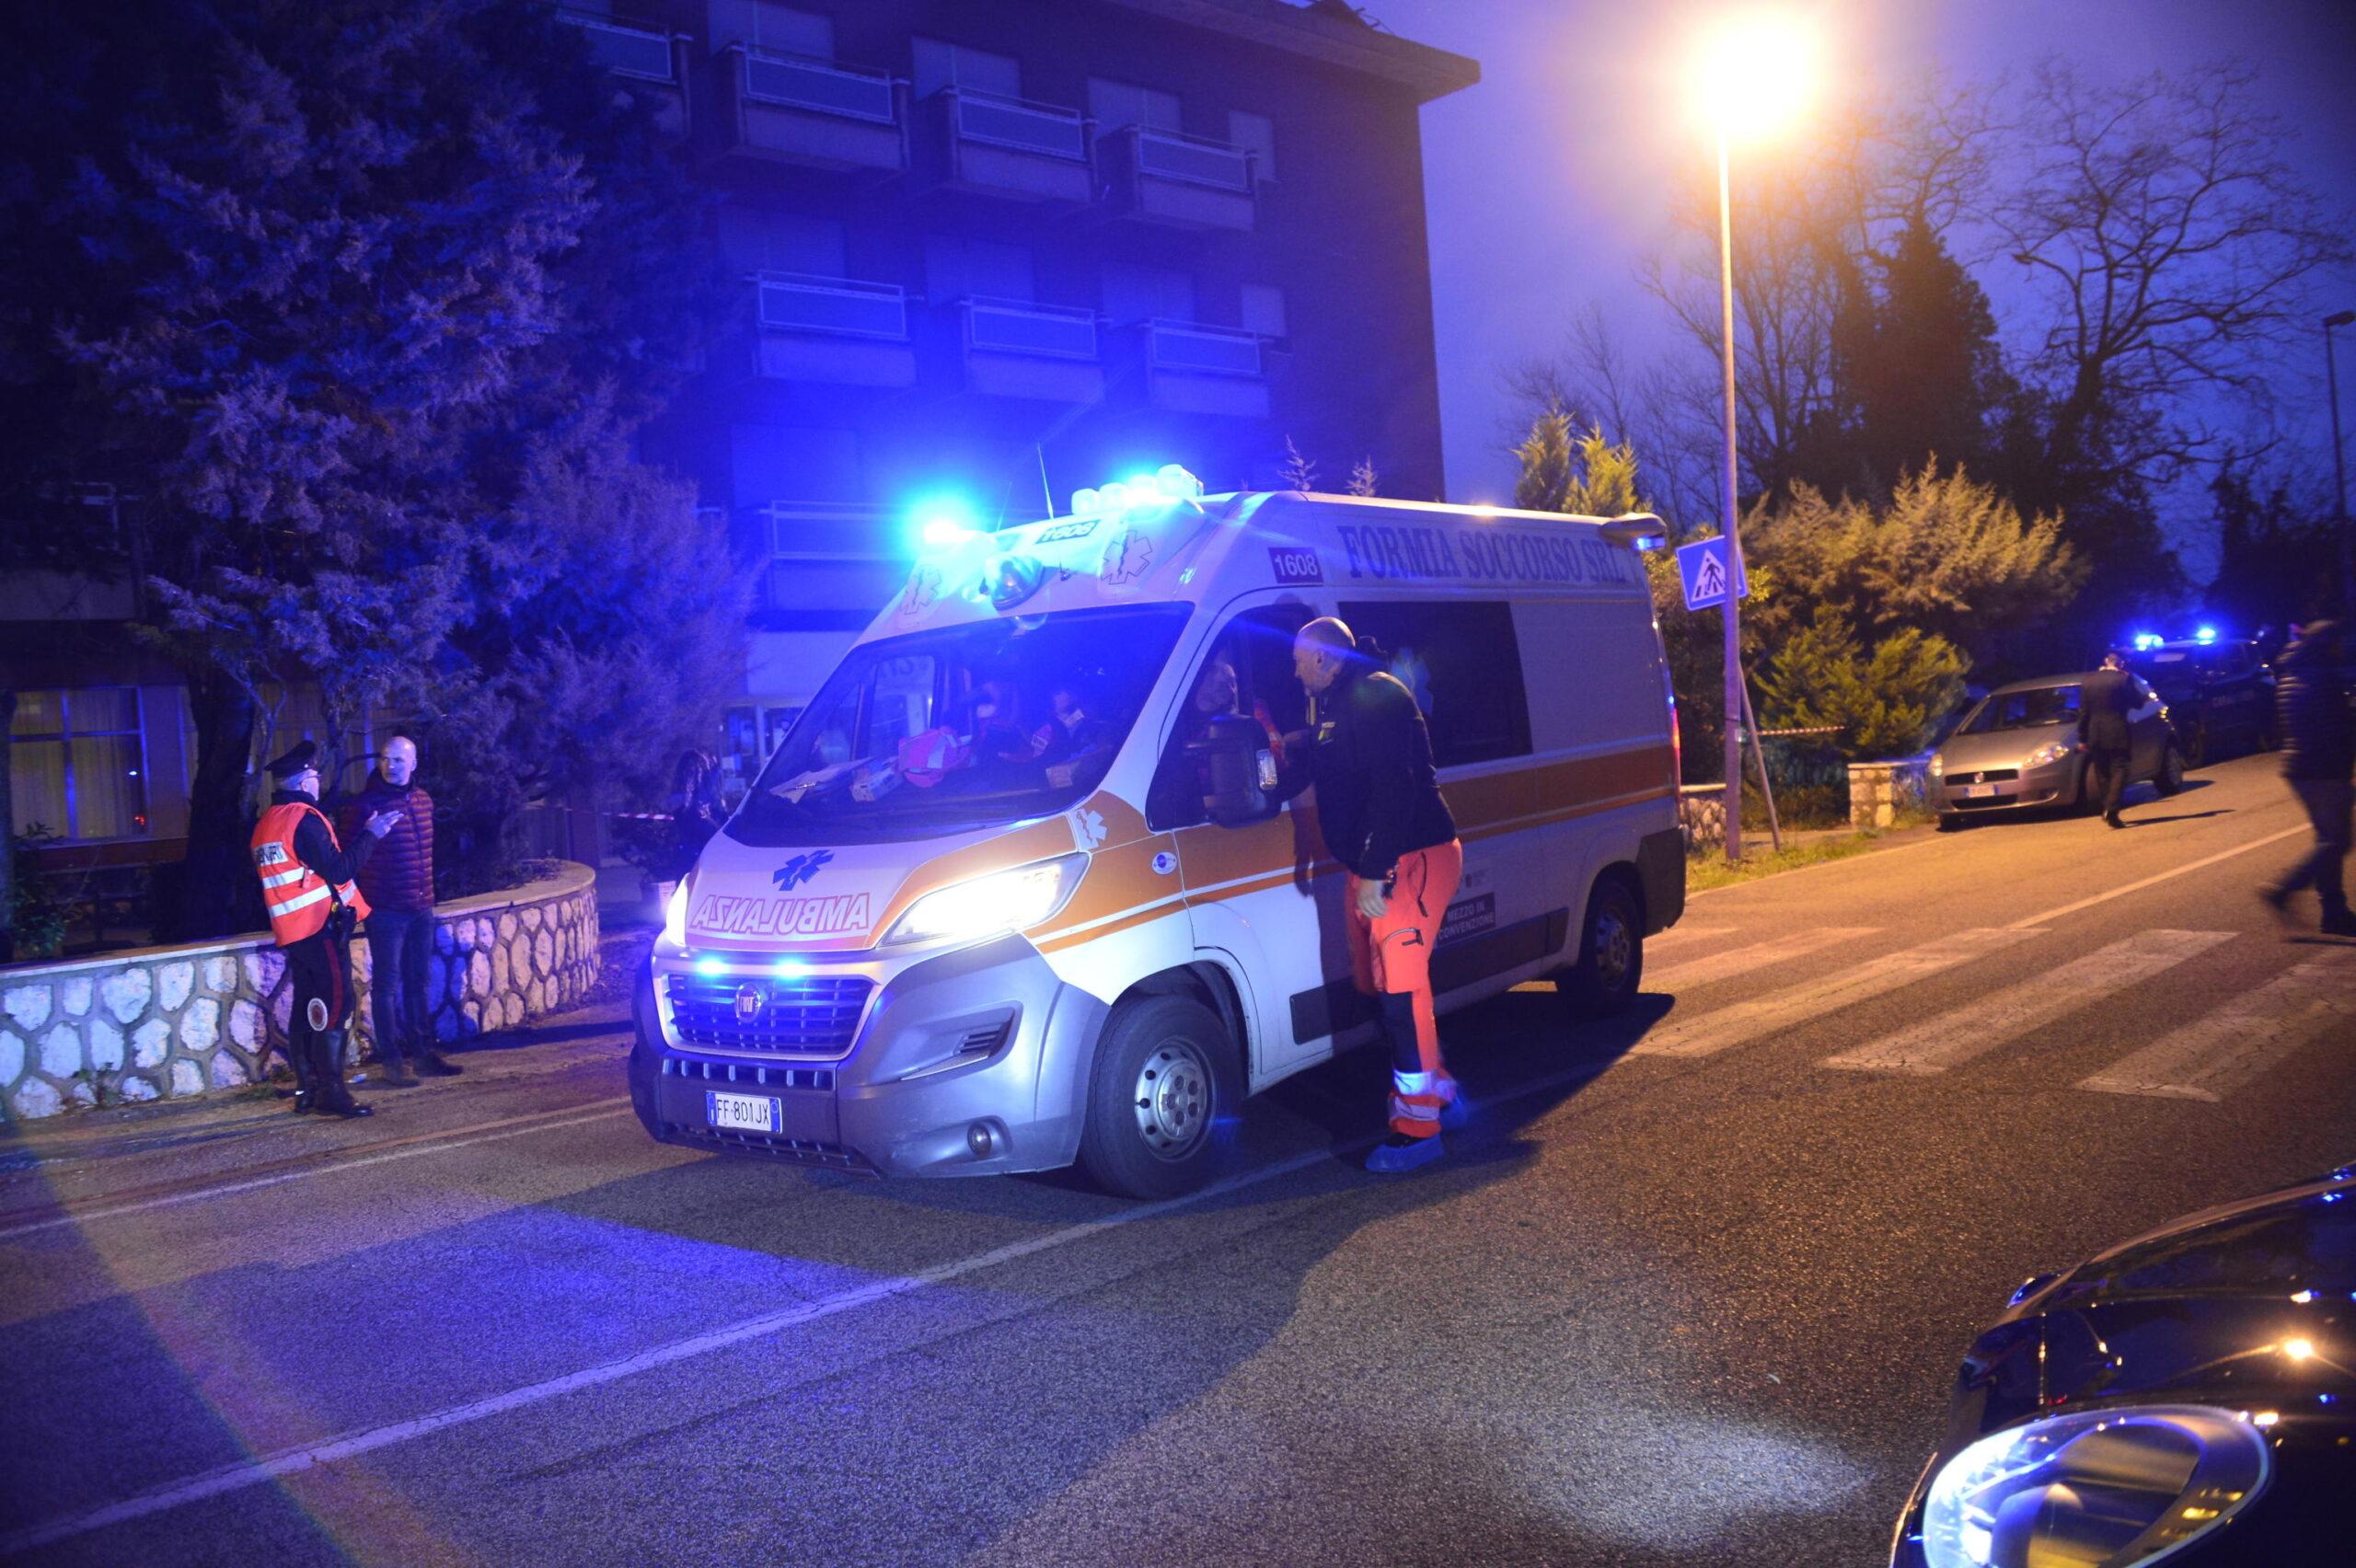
(2206, 634)
(787, 969)
(2145, 642)
(943, 520)
(711, 963)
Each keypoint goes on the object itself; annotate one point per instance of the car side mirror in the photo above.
(1236, 771)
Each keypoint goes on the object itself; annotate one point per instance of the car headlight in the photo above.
(675, 916)
(1004, 901)
(2118, 1487)
(1938, 764)
(2051, 751)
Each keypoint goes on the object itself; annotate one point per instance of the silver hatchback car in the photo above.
(2020, 750)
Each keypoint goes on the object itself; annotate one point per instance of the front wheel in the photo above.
(2196, 751)
(2170, 777)
(1164, 1069)
(1611, 967)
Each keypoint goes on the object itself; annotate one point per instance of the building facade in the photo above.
(985, 252)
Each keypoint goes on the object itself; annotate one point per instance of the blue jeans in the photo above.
(400, 949)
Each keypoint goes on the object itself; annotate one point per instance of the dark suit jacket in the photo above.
(2104, 703)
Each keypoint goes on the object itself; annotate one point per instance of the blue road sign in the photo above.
(1703, 565)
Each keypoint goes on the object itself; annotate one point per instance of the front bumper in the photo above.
(1978, 794)
(965, 1063)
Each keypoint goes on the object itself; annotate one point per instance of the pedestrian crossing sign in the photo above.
(1703, 565)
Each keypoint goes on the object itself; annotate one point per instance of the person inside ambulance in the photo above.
(307, 886)
(1075, 746)
(1379, 808)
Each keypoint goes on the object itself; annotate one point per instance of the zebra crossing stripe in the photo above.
(1706, 1034)
(1718, 966)
(1961, 1033)
(2225, 1048)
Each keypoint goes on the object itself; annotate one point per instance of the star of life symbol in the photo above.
(1087, 828)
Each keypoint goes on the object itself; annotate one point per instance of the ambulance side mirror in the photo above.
(1236, 771)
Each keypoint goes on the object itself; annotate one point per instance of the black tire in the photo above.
(1610, 970)
(1165, 1070)
(1952, 821)
(2086, 804)
(2170, 777)
(2196, 751)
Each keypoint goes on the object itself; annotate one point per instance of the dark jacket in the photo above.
(1370, 757)
(316, 846)
(2311, 712)
(2105, 700)
(399, 878)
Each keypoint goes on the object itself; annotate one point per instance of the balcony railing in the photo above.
(795, 83)
(796, 301)
(1167, 155)
(625, 50)
(1015, 327)
(1019, 126)
(1192, 347)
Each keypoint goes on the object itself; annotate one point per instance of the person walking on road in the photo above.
(2318, 737)
(2105, 701)
(308, 887)
(398, 882)
(1380, 810)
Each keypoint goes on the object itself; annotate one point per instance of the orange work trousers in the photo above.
(1390, 959)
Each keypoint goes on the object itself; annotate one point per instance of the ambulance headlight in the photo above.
(2118, 1487)
(986, 907)
(675, 916)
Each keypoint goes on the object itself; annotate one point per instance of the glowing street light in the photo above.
(1754, 78)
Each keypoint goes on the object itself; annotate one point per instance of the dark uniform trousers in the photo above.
(320, 965)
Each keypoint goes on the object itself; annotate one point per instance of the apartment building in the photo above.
(990, 251)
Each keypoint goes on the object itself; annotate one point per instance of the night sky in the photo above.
(1550, 180)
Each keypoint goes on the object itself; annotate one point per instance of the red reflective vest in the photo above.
(298, 898)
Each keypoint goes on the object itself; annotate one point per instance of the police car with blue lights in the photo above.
(2219, 692)
(2187, 1397)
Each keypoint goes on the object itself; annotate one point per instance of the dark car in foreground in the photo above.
(2220, 695)
(2019, 749)
(2186, 1397)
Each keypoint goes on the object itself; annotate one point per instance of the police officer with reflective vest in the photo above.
(306, 885)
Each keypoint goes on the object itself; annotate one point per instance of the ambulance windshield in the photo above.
(972, 726)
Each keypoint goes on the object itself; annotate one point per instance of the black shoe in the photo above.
(302, 1102)
(2112, 821)
(393, 1075)
(2338, 922)
(430, 1064)
(347, 1108)
(2277, 900)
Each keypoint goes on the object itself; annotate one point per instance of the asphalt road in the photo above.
(1691, 1288)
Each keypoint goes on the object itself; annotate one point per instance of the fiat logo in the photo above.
(750, 1000)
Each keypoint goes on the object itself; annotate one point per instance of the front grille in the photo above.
(1993, 776)
(753, 1073)
(806, 1016)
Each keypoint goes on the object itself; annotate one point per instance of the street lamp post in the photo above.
(1736, 702)
(1753, 75)
(2339, 469)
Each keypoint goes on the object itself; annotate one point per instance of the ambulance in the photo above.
(1019, 889)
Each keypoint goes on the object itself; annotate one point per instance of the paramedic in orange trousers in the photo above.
(1379, 811)
(308, 887)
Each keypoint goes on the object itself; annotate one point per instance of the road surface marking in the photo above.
(424, 1143)
(2051, 915)
(1718, 966)
(350, 1445)
(1706, 1034)
(2225, 1048)
(1683, 932)
(1960, 1034)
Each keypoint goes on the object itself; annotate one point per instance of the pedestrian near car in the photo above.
(2106, 701)
(2318, 735)
(1380, 810)
(398, 882)
(308, 887)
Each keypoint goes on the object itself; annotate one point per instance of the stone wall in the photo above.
(1702, 808)
(157, 1022)
(1879, 792)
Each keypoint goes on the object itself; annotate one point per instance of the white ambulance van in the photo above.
(1015, 891)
